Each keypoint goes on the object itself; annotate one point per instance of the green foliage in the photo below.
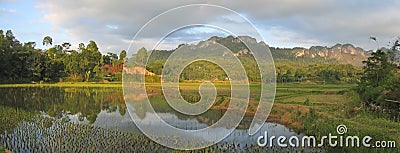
(298, 71)
(377, 68)
(18, 61)
(332, 73)
(47, 40)
(380, 82)
(307, 102)
(2, 149)
(141, 57)
(22, 63)
(122, 55)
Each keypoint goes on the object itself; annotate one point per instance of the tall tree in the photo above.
(377, 68)
(379, 84)
(141, 56)
(47, 40)
(122, 55)
(90, 59)
(66, 45)
(81, 47)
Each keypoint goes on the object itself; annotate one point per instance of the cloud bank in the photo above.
(283, 23)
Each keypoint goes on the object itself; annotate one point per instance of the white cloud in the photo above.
(288, 22)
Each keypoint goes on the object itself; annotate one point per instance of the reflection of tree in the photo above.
(160, 105)
(59, 101)
(115, 100)
(209, 117)
(139, 104)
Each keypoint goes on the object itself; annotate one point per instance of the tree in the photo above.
(72, 65)
(379, 84)
(81, 47)
(141, 57)
(66, 45)
(395, 51)
(109, 58)
(47, 40)
(90, 58)
(122, 55)
(377, 68)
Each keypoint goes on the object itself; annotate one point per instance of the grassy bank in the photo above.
(318, 109)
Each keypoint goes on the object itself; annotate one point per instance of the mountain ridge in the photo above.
(337, 54)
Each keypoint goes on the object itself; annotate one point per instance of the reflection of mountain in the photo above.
(160, 105)
(57, 101)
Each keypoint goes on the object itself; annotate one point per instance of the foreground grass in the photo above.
(318, 109)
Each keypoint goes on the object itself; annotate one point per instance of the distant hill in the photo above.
(337, 54)
(339, 63)
(341, 54)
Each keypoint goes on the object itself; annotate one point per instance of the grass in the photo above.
(2, 149)
(346, 109)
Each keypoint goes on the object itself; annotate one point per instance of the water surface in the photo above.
(105, 108)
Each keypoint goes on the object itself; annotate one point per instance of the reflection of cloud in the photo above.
(152, 124)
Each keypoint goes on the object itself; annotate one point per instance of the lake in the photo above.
(104, 109)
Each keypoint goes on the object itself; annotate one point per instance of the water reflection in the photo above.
(79, 103)
(106, 108)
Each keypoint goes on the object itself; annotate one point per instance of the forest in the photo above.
(23, 63)
(59, 63)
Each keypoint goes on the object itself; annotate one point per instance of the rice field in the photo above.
(308, 109)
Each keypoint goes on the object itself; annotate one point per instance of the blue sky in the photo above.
(26, 22)
(283, 23)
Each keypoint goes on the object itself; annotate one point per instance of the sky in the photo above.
(281, 23)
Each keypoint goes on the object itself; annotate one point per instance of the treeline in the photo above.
(23, 63)
(380, 84)
(326, 73)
